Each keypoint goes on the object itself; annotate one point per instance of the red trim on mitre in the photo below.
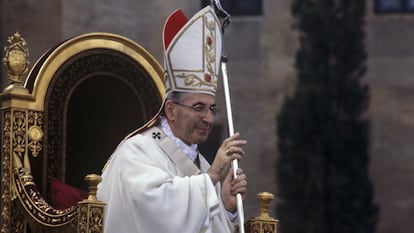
(172, 26)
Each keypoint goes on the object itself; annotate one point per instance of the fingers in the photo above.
(239, 184)
(233, 146)
(233, 141)
(228, 151)
(234, 150)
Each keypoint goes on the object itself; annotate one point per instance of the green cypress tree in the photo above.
(322, 129)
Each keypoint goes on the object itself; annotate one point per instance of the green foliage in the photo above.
(323, 133)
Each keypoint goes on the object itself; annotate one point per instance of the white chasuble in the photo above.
(150, 186)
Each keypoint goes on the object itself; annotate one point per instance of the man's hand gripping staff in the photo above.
(231, 146)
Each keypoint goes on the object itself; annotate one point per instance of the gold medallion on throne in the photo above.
(35, 133)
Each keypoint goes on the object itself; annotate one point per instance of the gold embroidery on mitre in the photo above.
(193, 80)
(210, 51)
(209, 79)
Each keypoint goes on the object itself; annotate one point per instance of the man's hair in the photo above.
(174, 96)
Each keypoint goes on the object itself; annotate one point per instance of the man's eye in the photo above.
(199, 108)
(214, 109)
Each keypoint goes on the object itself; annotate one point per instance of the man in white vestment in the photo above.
(156, 181)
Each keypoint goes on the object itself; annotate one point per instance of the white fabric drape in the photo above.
(151, 186)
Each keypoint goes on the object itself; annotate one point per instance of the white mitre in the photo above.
(192, 52)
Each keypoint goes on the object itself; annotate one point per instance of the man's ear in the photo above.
(169, 110)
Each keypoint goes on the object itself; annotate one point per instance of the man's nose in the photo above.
(209, 116)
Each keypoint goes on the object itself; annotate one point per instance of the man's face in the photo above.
(191, 119)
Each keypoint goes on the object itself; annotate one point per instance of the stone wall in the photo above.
(261, 51)
(390, 76)
(39, 24)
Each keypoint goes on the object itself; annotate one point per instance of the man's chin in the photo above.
(201, 135)
(201, 138)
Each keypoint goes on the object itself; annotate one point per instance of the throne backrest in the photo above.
(78, 101)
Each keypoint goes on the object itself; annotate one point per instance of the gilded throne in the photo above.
(61, 123)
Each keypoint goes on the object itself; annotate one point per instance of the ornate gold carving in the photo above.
(19, 144)
(90, 218)
(93, 180)
(37, 207)
(19, 135)
(262, 227)
(35, 132)
(6, 196)
(18, 223)
(79, 69)
(269, 227)
(265, 198)
(23, 130)
(83, 219)
(16, 61)
(91, 211)
(263, 223)
(96, 219)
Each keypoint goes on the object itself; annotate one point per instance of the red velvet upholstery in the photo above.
(63, 195)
